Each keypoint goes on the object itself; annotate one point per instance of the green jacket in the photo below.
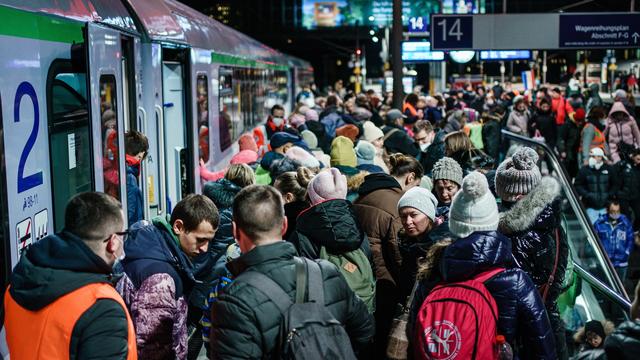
(245, 322)
(58, 265)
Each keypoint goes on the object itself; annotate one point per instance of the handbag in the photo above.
(398, 346)
(537, 136)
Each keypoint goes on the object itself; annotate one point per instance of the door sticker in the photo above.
(40, 224)
(24, 234)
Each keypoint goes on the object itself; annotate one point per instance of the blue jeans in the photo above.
(593, 214)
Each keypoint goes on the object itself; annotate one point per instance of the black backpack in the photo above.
(308, 330)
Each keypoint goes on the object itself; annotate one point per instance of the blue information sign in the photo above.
(599, 30)
(452, 32)
(418, 24)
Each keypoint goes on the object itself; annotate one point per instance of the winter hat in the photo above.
(597, 152)
(620, 94)
(244, 157)
(420, 199)
(473, 208)
(365, 152)
(426, 183)
(296, 120)
(518, 99)
(361, 114)
(311, 115)
(303, 157)
(394, 114)
(310, 138)
(303, 110)
(371, 131)
(579, 115)
(327, 185)
(596, 327)
(247, 142)
(282, 138)
(342, 152)
(349, 130)
(447, 169)
(518, 175)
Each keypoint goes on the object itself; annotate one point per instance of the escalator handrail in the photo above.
(593, 238)
(602, 287)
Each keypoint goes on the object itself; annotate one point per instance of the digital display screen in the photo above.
(505, 55)
(419, 51)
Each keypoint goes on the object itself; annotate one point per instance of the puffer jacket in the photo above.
(522, 317)
(246, 323)
(624, 342)
(531, 224)
(157, 280)
(135, 205)
(331, 119)
(376, 210)
(545, 123)
(434, 152)
(620, 131)
(491, 135)
(330, 224)
(617, 239)
(518, 122)
(594, 186)
(399, 141)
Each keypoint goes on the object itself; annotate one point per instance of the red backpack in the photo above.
(458, 321)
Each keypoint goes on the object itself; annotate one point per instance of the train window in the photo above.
(226, 106)
(109, 118)
(202, 89)
(69, 136)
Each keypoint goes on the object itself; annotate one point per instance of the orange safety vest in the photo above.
(46, 334)
(598, 139)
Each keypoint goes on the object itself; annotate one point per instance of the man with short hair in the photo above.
(430, 140)
(159, 274)
(136, 146)
(61, 303)
(245, 321)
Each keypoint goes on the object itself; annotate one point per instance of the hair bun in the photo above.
(475, 185)
(525, 159)
(304, 176)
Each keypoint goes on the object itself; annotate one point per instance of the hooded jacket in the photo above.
(624, 342)
(625, 131)
(376, 210)
(331, 119)
(399, 141)
(594, 185)
(331, 224)
(518, 122)
(157, 279)
(246, 323)
(522, 317)
(531, 224)
(135, 205)
(594, 97)
(58, 265)
(617, 239)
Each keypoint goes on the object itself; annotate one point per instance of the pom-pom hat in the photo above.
(518, 175)
(473, 208)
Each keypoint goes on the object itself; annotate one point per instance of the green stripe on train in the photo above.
(238, 61)
(25, 24)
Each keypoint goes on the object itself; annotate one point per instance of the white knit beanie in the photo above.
(473, 208)
(420, 199)
(371, 131)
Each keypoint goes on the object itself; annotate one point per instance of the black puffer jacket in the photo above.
(522, 317)
(245, 322)
(399, 141)
(624, 342)
(594, 186)
(491, 135)
(434, 152)
(545, 122)
(331, 224)
(531, 225)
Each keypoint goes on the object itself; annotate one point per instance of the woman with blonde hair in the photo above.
(459, 147)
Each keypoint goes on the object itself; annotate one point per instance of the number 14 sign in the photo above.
(451, 32)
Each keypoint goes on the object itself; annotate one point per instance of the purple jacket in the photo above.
(157, 279)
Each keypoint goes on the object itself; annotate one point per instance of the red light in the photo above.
(358, 51)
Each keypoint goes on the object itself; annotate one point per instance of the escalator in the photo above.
(595, 290)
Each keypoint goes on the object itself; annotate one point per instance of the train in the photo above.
(75, 75)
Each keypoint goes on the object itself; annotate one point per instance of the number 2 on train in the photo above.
(33, 180)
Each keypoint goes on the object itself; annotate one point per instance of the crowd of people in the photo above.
(349, 229)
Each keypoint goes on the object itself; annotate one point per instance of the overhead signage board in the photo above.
(420, 51)
(535, 31)
(488, 55)
(418, 24)
(600, 31)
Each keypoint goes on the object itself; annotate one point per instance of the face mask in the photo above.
(423, 147)
(278, 121)
(594, 163)
(603, 121)
(614, 216)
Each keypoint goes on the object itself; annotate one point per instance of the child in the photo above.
(136, 147)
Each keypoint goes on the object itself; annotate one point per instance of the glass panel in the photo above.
(585, 247)
(69, 141)
(108, 115)
(5, 246)
(202, 89)
(226, 106)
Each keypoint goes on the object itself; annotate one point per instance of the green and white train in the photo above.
(75, 75)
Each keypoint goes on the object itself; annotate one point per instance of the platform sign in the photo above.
(452, 32)
(418, 24)
(600, 30)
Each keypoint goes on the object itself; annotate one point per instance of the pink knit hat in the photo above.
(247, 142)
(302, 157)
(244, 157)
(297, 120)
(327, 185)
(311, 115)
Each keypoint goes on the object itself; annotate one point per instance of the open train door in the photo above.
(104, 73)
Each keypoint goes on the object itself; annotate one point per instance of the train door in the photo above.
(177, 159)
(106, 103)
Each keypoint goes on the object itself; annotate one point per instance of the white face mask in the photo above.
(594, 163)
(423, 147)
(278, 121)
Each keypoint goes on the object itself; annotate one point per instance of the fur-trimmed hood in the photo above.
(524, 213)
